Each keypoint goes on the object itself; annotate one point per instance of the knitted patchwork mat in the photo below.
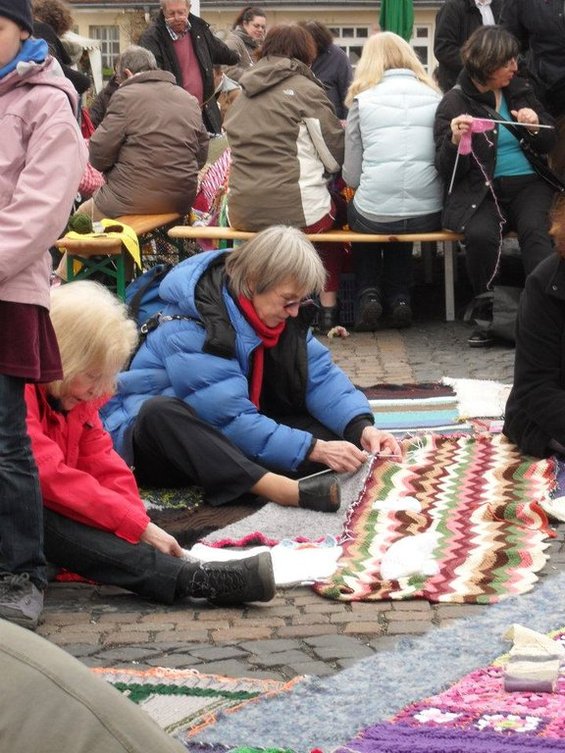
(184, 702)
(457, 520)
(476, 715)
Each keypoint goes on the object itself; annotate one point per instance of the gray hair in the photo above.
(275, 255)
(164, 3)
(135, 59)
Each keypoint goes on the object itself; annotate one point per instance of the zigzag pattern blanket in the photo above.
(458, 520)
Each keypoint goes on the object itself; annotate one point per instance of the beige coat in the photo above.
(150, 147)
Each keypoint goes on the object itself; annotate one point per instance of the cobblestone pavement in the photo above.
(299, 632)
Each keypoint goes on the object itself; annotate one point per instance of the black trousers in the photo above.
(173, 447)
(106, 558)
(525, 201)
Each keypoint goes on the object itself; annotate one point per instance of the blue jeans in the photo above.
(21, 505)
(387, 266)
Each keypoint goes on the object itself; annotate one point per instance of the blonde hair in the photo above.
(382, 52)
(275, 255)
(94, 334)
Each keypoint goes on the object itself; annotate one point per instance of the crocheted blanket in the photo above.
(457, 520)
(184, 701)
(476, 715)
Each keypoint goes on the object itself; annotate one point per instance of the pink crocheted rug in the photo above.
(476, 715)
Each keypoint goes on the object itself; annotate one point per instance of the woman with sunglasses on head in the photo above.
(234, 347)
(495, 188)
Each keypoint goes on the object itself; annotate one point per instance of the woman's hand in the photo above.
(528, 117)
(460, 125)
(161, 540)
(339, 455)
(380, 443)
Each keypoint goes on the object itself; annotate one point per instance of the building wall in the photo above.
(352, 27)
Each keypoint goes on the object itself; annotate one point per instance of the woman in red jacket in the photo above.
(95, 522)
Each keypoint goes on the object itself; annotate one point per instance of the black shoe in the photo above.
(401, 313)
(370, 311)
(481, 338)
(328, 318)
(320, 492)
(231, 582)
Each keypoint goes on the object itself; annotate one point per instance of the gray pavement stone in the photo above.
(313, 668)
(174, 661)
(280, 658)
(126, 654)
(272, 646)
(218, 653)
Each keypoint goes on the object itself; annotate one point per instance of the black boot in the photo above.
(320, 492)
(370, 311)
(401, 312)
(227, 583)
(328, 318)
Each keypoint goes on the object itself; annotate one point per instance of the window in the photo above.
(110, 38)
(351, 40)
(422, 43)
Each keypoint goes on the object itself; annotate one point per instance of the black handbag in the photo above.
(500, 303)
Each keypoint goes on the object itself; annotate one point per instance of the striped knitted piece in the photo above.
(467, 525)
(475, 715)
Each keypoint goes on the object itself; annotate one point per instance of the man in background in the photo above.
(184, 45)
(455, 22)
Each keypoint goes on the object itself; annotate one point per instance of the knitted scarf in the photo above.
(269, 338)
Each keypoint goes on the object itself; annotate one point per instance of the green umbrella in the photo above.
(397, 16)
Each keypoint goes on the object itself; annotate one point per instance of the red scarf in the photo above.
(269, 338)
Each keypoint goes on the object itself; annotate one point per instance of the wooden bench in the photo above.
(444, 237)
(105, 255)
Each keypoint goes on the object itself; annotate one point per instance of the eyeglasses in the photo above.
(301, 302)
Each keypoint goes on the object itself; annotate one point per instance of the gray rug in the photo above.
(275, 522)
(327, 712)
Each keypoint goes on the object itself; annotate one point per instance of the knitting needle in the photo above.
(515, 123)
(454, 171)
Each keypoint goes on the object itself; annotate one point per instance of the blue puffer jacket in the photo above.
(175, 360)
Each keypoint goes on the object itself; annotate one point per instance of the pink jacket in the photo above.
(81, 475)
(43, 157)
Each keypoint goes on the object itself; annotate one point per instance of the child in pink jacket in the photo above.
(42, 158)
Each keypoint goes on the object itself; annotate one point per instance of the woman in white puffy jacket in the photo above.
(389, 160)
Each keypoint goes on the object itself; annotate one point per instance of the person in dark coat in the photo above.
(184, 45)
(100, 103)
(79, 80)
(495, 187)
(456, 20)
(539, 26)
(331, 66)
(535, 411)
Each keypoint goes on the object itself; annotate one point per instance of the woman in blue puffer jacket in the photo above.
(234, 344)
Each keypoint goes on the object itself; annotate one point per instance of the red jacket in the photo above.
(81, 475)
